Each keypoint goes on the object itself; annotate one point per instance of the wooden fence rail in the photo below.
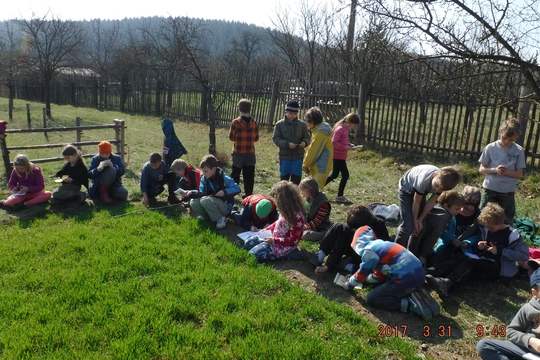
(119, 141)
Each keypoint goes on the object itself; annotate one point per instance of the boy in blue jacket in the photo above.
(215, 197)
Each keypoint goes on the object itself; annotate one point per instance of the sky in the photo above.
(256, 12)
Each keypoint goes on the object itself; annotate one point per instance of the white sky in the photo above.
(256, 12)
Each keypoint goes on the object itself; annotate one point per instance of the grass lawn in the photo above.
(126, 282)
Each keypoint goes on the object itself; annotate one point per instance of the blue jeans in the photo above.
(260, 249)
(387, 296)
(405, 229)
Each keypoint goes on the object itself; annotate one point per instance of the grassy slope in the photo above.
(374, 175)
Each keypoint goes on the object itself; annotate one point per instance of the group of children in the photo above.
(444, 239)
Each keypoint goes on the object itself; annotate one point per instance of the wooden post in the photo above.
(120, 137)
(523, 112)
(44, 111)
(79, 131)
(361, 128)
(28, 118)
(273, 102)
(5, 155)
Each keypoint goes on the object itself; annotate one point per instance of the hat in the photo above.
(535, 278)
(105, 147)
(263, 208)
(292, 106)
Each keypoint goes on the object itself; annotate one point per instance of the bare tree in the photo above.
(503, 33)
(55, 44)
(12, 61)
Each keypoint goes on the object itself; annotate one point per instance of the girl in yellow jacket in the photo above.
(320, 153)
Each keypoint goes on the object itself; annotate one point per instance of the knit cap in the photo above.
(292, 106)
(263, 208)
(105, 147)
(535, 278)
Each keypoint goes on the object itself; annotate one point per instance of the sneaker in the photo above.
(430, 301)
(221, 223)
(309, 256)
(441, 285)
(201, 218)
(342, 199)
(417, 306)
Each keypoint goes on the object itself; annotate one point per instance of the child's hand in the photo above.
(67, 180)
(145, 200)
(160, 178)
(492, 249)
(319, 270)
(346, 283)
(292, 146)
(220, 193)
(456, 242)
(23, 189)
(501, 169)
(306, 170)
(254, 228)
(534, 343)
(302, 145)
(269, 240)
(482, 245)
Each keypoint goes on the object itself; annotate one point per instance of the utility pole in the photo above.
(352, 24)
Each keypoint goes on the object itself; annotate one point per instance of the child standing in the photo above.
(337, 241)
(106, 171)
(291, 137)
(244, 132)
(503, 162)
(26, 183)
(318, 208)
(413, 187)
(153, 176)
(398, 271)
(287, 230)
(190, 176)
(437, 221)
(77, 176)
(522, 333)
(340, 141)
(258, 212)
(215, 197)
(319, 155)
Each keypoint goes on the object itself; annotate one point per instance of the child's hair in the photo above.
(70, 150)
(492, 213)
(179, 164)
(155, 158)
(449, 177)
(510, 127)
(209, 161)
(351, 118)
(359, 215)
(472, 195)
(244, 105)
(451, 198)
(23, 160)
(311, 186)
(289, 200)
(314, 116)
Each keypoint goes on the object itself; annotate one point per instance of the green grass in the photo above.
(146, 286)
(158, 285)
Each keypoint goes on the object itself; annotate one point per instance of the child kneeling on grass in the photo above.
(399, 272)
(154, 175)
(287, 230)
(215, 197)
(522, 333)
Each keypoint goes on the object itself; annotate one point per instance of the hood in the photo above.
(323, 127)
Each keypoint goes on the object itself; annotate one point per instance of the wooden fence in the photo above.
(118, 126)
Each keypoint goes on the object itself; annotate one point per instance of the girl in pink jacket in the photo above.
(340, 140)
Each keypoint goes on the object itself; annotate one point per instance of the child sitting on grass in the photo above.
(76, 176)
(259, 211)
(287, 230)
(215, 197)
(318, 218)
(522, 333)
(153, 176)
(190, 176)
(337, 241)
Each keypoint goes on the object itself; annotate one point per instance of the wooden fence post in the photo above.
(28, 118)
(523, 112)
(120, 137)
(273, 102)
(5, 155)
(78, 133)
(44, 112)
(361, 128)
